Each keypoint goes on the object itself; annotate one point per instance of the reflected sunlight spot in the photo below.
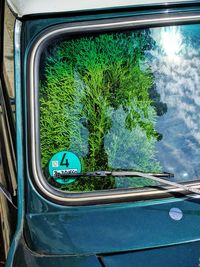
(171, 41)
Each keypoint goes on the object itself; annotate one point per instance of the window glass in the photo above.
(121, 101)
(8, 51)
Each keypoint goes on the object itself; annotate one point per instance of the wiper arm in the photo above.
(157, 177)
(129, 174)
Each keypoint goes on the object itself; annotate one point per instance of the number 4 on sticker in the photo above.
(64, 161)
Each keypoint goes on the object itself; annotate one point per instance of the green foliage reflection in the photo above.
(95, 101)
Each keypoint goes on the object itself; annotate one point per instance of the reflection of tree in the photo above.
(130, 149)
(90, 83)
(160, 107)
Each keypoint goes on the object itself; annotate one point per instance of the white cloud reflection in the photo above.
(175, 63)
(170, 40)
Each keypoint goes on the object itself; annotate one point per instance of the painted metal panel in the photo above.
(186, 255)
(110, 228)
(26, 258)
(27, 7)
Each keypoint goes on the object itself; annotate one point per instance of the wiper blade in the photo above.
(114, 173)
(157, 177)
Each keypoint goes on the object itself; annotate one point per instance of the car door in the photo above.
(99, 94)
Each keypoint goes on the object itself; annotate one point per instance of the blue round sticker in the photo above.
(64, 163)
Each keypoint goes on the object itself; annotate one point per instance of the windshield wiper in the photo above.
(157, 177)
(114, 173)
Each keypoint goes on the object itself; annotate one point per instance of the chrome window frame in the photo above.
(33, 128)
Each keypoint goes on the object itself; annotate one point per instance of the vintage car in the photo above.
(100, 133)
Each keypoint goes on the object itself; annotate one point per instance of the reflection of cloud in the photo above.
(170, 41)
(178, 84)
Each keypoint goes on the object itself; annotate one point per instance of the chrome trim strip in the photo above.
(42, 184)
(19, 124)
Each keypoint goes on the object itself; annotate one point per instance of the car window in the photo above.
(123, 101)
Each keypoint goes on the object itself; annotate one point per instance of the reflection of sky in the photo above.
(175, 63)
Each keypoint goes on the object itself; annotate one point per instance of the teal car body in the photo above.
(159, 228)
